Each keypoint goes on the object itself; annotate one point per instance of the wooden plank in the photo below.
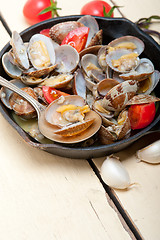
(4, 38)
(48, 197)
(142, 200)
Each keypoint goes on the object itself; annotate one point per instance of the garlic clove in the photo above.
(114, 173)
(150, 154)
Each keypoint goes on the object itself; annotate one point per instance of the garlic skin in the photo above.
(114, 173)
(150, 154)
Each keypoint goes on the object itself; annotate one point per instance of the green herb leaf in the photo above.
(110, 12)
(52, 8)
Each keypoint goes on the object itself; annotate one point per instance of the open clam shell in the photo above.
(135, 44)
(79, 84)
(92, 24)
(142, 99)
(5, 93)
(54, 117)
(41, 51)
(19, 51)
(59, 81)
(88, 133)
(67, 59)
(117, 98)
(104, 86)
(89, 62)
(37, 73)
(127, 64)
(143, 71)
(12, 70)
(148, 85)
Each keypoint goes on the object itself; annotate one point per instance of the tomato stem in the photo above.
(52, 8)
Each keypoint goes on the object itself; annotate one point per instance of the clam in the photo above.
(127, 42)
(16, 103)
(93, 26)
(122, 60)
(142, 99)
(37, 73)
(19, 51)
(71, 116)
(107, 116)
(79, 84)
(89, 62)
(21, 106)
(55, 118)
(59, 81)
(97, 39)
(31, 81)
(41, 51)
(117, 98)
(105, 85)
(102, 53)
(67, 59)
(117, 131)
(59, 31)
(12, 70)
(5, 93)
(143, 71)
(148, 85)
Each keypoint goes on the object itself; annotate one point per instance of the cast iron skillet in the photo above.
(112, 28)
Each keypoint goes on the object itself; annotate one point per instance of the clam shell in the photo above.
(89, 62)
(142, 99)
(53, 117)
(5, 93)
(139, 43)
(31, 81)
(117, 98)
(59, 31)
(143, 71)
(59, 81)
(12, 70)
(104, 86)
(148, 85)
(117, 54)
(93, 50)
(97, 39)
(105, 136)
(38, 57)
(102, 53)
(79, 84)
(88, 133)
(92, 24)
(19, 51)
(75, 128)
(37, 73)
(67, 59)
(21, 106)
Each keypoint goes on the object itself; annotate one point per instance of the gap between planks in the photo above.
(114, 202)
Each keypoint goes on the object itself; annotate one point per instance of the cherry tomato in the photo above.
(77, 38)
(51, 94)
(95, 8)
(141, 115)
(45, 32)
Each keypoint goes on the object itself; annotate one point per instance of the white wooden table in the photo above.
(43, 196)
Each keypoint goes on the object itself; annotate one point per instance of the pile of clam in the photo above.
(102, 80)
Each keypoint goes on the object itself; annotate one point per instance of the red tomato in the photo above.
(96, 8)
(45, 32)
(52, 94)
(141, 115)
(32, 8)
(77, 38)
